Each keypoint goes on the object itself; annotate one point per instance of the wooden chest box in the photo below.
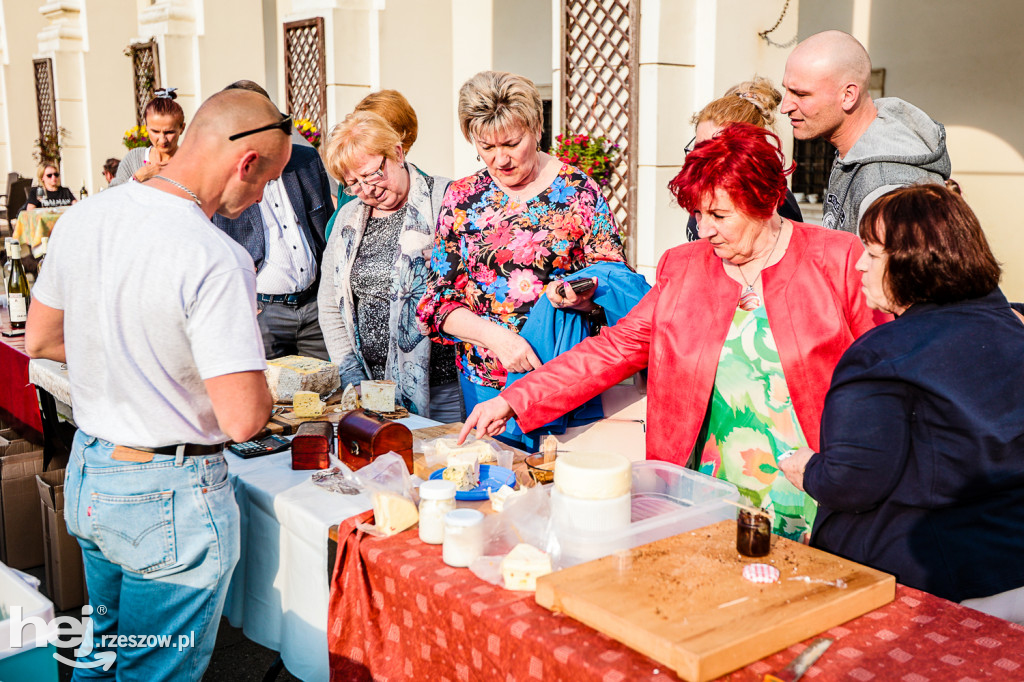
(364, 435)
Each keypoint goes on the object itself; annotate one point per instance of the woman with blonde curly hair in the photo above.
(523, 222)
(755, 102)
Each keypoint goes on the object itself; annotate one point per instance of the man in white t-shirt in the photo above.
(153, 309)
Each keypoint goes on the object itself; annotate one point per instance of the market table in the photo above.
(398, 612)
(35, 223)
(279, 591)
(17, 395)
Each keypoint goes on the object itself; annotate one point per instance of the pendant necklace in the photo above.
(749, 300)
(185, 189)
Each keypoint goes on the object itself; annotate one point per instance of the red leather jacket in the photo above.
(815, 307)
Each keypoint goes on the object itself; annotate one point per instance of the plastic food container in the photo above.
(667, 500)
(33, 660)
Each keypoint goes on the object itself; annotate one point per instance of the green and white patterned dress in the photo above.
(751, 422)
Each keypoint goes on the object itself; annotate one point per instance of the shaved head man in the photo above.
(879, 145)
(154, 311)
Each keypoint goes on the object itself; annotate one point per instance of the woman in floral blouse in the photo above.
(506, 232)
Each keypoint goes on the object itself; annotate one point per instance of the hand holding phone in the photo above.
(579, 286)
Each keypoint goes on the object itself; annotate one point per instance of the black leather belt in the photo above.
(300, 298)
(191, 449)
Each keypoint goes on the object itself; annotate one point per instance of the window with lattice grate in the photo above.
(305, 71)
(146, 75)
(600, 47)
(46, 102)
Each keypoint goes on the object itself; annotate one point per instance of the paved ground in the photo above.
(235, 657)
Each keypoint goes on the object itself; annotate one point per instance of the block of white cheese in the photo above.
(378, 396)
(523, 565)
(463, 469)
(447, 446)
(501, 496)
(308, 404)
(393, 513)
(593, 475)
(292, 373)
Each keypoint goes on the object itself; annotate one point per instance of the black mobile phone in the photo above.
(267, 445)
(579, 286)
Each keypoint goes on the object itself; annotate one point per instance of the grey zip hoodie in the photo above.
(902, 146)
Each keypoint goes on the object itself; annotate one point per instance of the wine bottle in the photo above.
(84, 192)
(7, 261)
(18, 296)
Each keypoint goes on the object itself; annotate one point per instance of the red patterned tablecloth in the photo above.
(397, 612)
(17, 395)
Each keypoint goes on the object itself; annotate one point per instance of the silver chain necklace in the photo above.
(180, 186)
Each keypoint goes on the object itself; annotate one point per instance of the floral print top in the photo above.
(494, 256)
(752, 421)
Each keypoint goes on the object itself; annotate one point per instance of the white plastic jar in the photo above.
(437, 498)
(463, 537)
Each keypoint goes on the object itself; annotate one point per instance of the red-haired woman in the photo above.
(740, 333)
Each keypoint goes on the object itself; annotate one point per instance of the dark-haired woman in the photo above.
(165, 122)
(739, 334)
(921, 467)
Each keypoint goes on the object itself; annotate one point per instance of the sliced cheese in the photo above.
(293, 373)
(523, 565)
(378, 396)
(463, 469)
(447, 446)
(593, 475)
(308, 404)
(350, 399)
(393, 513)
(501, 496)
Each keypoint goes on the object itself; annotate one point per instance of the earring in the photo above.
(477, 157)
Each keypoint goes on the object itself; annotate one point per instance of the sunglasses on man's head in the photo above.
(284, 125)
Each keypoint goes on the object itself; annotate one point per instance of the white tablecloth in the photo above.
(279, 591)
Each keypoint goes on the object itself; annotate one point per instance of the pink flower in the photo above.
(528, 245)
(523, 286)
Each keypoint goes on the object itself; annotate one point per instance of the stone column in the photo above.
(175, 27)
(62, 40)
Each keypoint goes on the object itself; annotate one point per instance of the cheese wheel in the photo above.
(292, 373)
(609, 514)
(593, 475)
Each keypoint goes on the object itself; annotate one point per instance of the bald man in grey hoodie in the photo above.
(880, 145)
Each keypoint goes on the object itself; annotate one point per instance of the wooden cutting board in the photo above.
(683, 600)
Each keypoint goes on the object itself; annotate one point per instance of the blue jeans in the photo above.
(160, 542)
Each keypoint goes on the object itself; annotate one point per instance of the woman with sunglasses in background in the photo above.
(49, 193)
(375, 269)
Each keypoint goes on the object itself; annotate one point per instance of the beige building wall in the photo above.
(962, 64)
(691, 51)
(22, 23)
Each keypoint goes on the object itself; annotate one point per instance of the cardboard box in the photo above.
(21, 528)
(65, 572)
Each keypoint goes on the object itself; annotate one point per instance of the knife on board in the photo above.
(796, 669)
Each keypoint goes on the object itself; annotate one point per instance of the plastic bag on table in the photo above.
(435, 451)
(526, 519)
(390, 487)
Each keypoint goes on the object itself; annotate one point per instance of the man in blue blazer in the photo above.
(284, 234)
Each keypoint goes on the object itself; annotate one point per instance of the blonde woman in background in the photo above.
(754, 102)
(376, 267)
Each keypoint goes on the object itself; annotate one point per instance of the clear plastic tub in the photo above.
(33, 658)
(667, 499)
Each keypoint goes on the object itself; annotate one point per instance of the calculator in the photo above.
(263, 446)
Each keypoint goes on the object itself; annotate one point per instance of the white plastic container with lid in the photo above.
(437, 498)
(463, 537)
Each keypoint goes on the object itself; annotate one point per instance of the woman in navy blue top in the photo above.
(921, 469)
